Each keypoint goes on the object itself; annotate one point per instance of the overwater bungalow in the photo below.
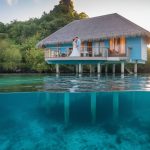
(108, 39)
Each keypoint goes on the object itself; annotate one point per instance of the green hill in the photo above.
(22, 36)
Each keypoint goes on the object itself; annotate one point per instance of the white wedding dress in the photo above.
(75, 51)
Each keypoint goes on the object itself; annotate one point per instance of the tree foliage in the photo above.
(2, 28)
(10, 57)
(18, 39)
(34, 59)
(61, 15)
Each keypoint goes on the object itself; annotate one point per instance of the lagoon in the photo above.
(48, 112)
(73, 83)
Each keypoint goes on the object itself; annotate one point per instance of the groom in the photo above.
(78, 41)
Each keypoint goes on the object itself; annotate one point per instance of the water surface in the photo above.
(74, 83)
(107, 112)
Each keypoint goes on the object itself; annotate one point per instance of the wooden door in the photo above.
(122, 45)
(89, 48)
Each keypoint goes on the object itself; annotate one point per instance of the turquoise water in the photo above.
(74, 113)
(73, 83)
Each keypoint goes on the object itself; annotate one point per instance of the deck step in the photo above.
(128, 70)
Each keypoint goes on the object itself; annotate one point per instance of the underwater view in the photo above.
(48, 112)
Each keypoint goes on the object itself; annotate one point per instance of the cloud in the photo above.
(36, 1)
(11, 2)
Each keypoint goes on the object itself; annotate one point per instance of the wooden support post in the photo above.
(106, 68)
(122, 67)
(91, 71)
(93, 107)
(77, 69)
(93, 68)
(57, 69)
(80, 68)
(98, 68)
(66, 108)
(115, 106)
(114, 68)
(135, 68)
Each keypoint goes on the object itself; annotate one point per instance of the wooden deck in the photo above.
(87, 58)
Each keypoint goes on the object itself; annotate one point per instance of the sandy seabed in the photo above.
(48, 135)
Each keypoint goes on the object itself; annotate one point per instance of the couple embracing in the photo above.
(76, 47)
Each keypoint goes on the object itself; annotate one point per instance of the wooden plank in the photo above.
(88, 58)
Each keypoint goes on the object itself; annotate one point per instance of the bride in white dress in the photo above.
(75, 51)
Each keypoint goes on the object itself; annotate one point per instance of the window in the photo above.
(117, 45)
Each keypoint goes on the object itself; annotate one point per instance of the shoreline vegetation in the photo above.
(18, 41)
(19, 38)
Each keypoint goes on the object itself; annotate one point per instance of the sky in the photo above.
(138, 11)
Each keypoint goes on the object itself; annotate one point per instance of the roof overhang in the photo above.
(45, 42)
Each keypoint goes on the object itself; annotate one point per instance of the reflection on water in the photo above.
(73, 83)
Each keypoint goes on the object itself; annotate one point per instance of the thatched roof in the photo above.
(102, 27)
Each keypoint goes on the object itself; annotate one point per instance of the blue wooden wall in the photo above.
(134, 43)
(138, 48)
(137, 44)
(107, 44)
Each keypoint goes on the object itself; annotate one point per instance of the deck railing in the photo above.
(85, 51)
